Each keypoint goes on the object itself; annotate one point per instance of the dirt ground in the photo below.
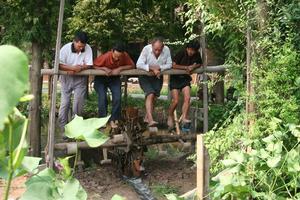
(164, 174)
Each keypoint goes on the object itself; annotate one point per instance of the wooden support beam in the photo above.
(51, 132)
(200, 167)
(135, 72)
(158, 139)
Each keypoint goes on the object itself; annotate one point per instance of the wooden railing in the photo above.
(136, 72)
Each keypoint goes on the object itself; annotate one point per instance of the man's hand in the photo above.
(84, 67)
(156, 72)
(77, 68)
(190, 68)
(107, 71)
(155, 69)
(116, 71)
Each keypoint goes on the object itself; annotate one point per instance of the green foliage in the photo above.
(173, 197)
(48, 185)
(161, 190)
(152, 153)
(277, 93)
(13, 125)
(129, 21)
(117, 197)
(268, 171)
(87, 130)
(14, 78)
(66, 170)
(223, 140)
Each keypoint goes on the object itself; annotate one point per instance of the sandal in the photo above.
(152, 124)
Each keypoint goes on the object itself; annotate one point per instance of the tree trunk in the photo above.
(219, 89)
(35, 104)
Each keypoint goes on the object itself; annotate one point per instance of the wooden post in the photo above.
(203, 173)
(125, 90)
(34, 106)
(205, 85)
(51, 132)
(200, 167)
(219, 89)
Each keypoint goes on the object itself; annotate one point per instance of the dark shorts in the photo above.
(179, 82)
(151, 84)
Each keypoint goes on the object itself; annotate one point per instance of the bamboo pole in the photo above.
(136, 72)
(205, 85)
(158, 139)
(51, 131)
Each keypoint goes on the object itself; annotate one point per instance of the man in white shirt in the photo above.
(74, 57)
(155, 58)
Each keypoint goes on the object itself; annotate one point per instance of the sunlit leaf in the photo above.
(66, 166)
(117, 197)
(13, 79)
(87, 130)
(274, 161)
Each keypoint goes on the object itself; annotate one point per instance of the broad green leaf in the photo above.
(275, 147)
(13, 79)
(295, 130)
(293, 161)
(18, 122)
(117, 197)
(66, 166)
(297, 82)
(71, 189)
(41, 186)
(27, 97)
(264, 154)
(38, 191)
(229, 162)
(29, 165)
(269, 139)
(273, 162)
(45, 176)
(274, 123)
(2, 147)
(239, 157)
(173, 197)
(87, 130)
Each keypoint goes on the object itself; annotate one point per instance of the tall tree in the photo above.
(33, 23)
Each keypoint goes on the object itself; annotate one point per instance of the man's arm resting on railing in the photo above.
(188, 68)
(73, 69)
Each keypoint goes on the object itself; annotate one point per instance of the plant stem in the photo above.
(76, 158)
(10, 162)
(20, 146)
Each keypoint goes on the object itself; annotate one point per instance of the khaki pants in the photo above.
(69, 84)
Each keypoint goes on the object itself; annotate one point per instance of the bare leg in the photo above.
(174, 103)
(186, 103)
(149, 107)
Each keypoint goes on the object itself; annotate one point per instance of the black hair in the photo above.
(193, 45)
(81, 36)
(119, 46)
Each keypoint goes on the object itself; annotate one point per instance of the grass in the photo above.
(164, 90)
(152, 153)
(160, 190)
